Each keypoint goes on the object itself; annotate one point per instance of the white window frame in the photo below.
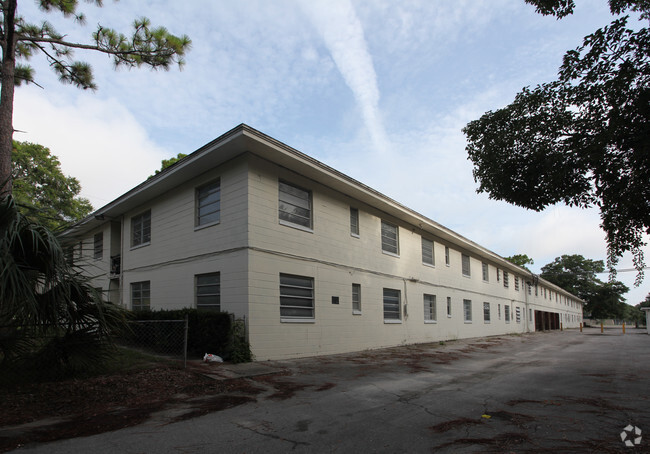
(356, 299)
(298, 290)
(467, 311)
(428, 254)
(389, 235)
(213, 207)
(449, 306)
(486, 312)
(291, 195)
(354, 222)
(141, 293)
(430, 309)
(466, 265)
(207, 291)
(447, 258)
(506, 279)
(506, 312)
(98, 246)
(141, 226)
(486, 272)
(392, 299)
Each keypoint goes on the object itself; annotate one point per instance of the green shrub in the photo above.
(208, 332)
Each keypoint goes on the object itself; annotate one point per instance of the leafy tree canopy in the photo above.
(609, 302)
(583, 139)
(168, 162)
(577, 275)
(41, 190)
(520, 260)
(22, 39)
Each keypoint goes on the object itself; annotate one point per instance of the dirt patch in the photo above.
(325, 386)
(285, 389)
(595, 402)
(453, 424)
(214, 404)
(111, 402)
(517, 419)
(514, 402)
(500, 443)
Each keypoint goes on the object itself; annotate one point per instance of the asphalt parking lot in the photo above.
(542, 392)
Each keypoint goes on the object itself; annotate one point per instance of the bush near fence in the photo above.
(208, 332)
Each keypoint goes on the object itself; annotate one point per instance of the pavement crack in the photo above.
(295, 443)
(407, 399)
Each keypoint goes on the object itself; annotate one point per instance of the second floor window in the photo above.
(466, 268)
(141, 229)
(354, 221)
(389, 238)
(295, 205)
(98, 246)
(427, 252)
(208, 203)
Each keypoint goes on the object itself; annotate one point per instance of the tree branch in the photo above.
(61, 42)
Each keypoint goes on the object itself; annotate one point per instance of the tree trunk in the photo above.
(7, 97)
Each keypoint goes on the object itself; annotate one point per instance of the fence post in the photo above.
(185, 343)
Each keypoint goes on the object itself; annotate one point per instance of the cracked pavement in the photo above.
(559, 391)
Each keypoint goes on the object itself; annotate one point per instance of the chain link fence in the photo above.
(161, 337)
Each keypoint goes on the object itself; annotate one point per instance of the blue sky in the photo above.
(377, 89)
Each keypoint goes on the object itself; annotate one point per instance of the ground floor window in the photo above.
(392, 304)
(518, 314)
(208, 291)
(430, 308)
(356, 298)
(141, 296)
(449, 306)
(467, 310)
(506, 313)
(486, 312)
(296, 297)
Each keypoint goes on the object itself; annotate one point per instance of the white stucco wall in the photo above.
(335, 260)
(250, 248)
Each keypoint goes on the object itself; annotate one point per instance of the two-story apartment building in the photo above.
(315, 261)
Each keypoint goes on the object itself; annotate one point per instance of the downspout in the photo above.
(122, 267)
(527, 308)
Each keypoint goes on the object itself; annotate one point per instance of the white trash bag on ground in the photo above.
(210, 358)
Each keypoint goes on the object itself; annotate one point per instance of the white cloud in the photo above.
(343, 34)
(99, 142)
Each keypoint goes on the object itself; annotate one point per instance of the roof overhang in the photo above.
(244, 139)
